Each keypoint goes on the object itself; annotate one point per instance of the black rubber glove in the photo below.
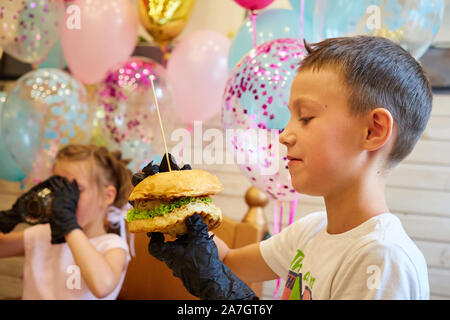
(64, 207)
(10, 218)
(195, 260)
(151, 169)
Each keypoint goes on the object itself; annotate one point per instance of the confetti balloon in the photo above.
(127, 117)
(411, 23)
(255, 111)
(8, 21)
(9, 170)
(46, 110)
(30, 28)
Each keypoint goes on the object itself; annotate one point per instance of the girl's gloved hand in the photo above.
(64, 207)
(10, 218)
(195, 260)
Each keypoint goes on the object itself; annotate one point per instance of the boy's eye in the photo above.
(306, 120)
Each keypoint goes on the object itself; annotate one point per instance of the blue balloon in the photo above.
(270, 25)
(310, 5)
(9, 170)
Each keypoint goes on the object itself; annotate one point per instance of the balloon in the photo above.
(55, 58)
(164, 19)
(270, 25)
(8, 21)
(254, 4)
(197, 72)
(9, 170)
(256, 103)
(30, 28)
(309, 7)
(126, 112)
(411, 23)
(105, 36)
(46, 110)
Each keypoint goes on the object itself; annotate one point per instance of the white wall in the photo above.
(444, 32)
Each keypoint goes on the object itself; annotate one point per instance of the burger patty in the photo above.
(147, 209)
(174, 223)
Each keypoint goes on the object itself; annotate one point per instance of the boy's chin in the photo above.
(306, 189)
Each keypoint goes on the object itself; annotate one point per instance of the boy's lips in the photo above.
(293, 160)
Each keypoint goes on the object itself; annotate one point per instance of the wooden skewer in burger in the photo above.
(165, 196)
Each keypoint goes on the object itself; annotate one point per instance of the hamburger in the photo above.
(163, 201)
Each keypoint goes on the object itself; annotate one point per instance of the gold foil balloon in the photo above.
(396, 36)
(164, 19)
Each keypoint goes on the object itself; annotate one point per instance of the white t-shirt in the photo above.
(376, 260)
(50, 272)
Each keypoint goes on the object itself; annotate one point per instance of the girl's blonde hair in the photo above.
(108, 168)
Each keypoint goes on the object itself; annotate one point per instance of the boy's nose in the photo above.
(286, 138)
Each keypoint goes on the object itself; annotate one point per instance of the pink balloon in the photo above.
(197, 72)
(254, 4)
(97, 35)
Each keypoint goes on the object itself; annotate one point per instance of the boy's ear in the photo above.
(379, 128)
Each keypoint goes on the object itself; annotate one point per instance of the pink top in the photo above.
(50, 272)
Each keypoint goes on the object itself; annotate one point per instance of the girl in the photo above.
(73, 257)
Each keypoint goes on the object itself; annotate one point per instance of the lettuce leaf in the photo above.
(139, 214)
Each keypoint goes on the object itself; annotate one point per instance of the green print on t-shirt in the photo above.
(296, 264)
(293, 289)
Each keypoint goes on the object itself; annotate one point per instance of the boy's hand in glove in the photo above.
(64, 207)
(194, 259)
(152, 169)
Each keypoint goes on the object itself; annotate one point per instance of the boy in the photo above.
(358, 106)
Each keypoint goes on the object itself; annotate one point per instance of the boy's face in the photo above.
(324, 141)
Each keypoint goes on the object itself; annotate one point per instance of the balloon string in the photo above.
(275, 292)
(292, 211)
(280, 220)
(275, 218)
(160, 122)
(166, 54)
(302, 16)
(253, 16)
(277, 226)
(275, 231)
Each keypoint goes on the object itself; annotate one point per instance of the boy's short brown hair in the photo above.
(379, 74)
